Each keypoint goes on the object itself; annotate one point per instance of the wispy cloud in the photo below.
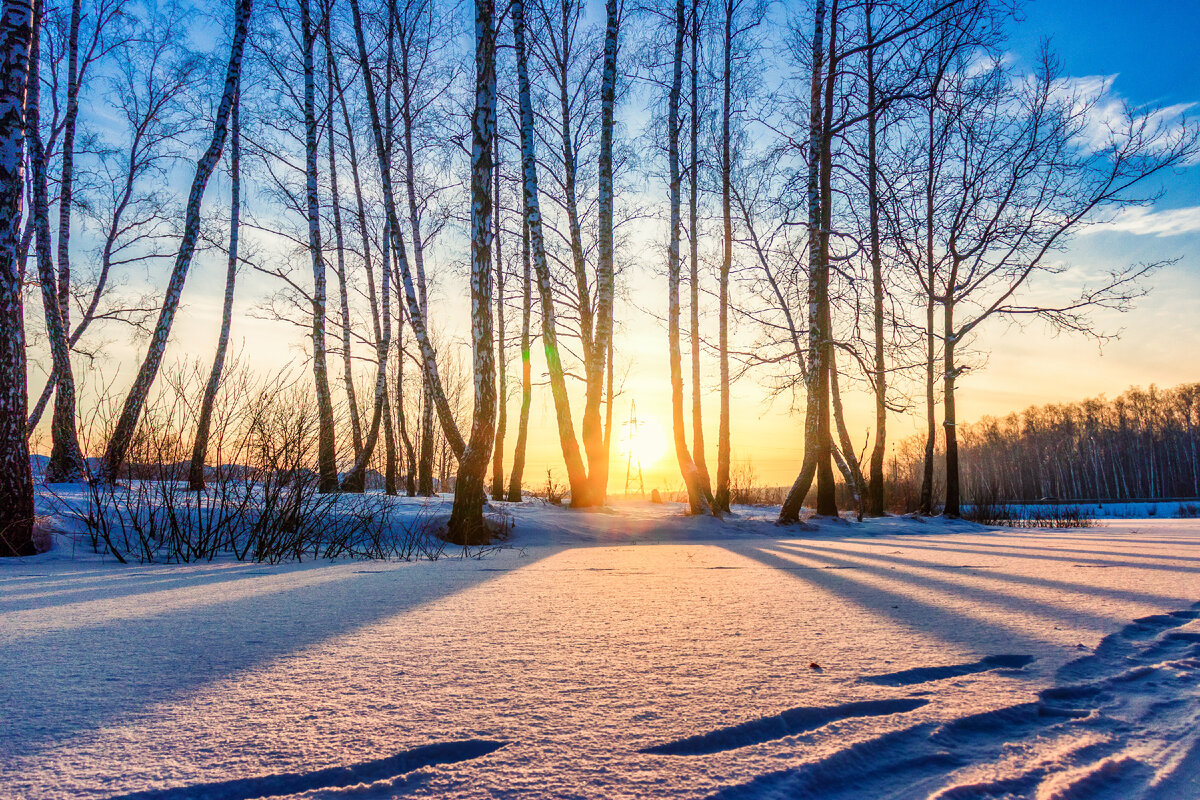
(1149, 222)
(1108, 117)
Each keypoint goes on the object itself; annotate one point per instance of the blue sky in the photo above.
(1151, 46)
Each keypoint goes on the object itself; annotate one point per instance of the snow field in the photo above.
(892, 659)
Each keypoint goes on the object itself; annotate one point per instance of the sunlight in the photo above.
(643, 441)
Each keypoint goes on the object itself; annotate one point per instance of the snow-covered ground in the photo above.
(631, 653)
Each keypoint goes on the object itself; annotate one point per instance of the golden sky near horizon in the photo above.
(1024, 365)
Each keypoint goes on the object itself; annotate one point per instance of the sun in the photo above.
(643, 441)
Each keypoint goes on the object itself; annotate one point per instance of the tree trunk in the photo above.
(200, 443)
(466, 515)
(118, 443)
(576, 475)
(595, 440)
(16, 476)
(790, 511)
(848, 461)
(502, 396)
(66, 185)
(721, 498)
(326, 448)
(416, 314)
(335, 206)
(518, 465)
(65, 206)
(874, 499)
(697, 503)
(925, 503)
(66, 462)
(826, 490)
(952, 507)
(425, 465)
(694, 255)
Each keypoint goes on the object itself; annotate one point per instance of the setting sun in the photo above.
(643, 442)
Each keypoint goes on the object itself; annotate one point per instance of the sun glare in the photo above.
(643, 441)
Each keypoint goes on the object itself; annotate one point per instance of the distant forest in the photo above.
(1141, 445)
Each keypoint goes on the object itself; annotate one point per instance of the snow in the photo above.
(624, 653)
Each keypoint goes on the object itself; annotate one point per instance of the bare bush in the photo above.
(261, 501)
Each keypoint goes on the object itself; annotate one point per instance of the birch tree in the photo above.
(576, 472)
(204, 422)
(135, 400)
(416, 314)
(790, 510)
(697, 502)
(466, 516)
(66, 461)
(1025, 178)
(16, 475)
(498, 489)
(518, 461)
(569, 64)
(694, 117)
(146, 93)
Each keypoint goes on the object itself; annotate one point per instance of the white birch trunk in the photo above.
(16, 477)
(466, 524)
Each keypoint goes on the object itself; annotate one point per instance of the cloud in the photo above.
(1148, 222)
(1108, 117)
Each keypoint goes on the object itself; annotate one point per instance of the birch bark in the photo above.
(466, 515)
(66, 462)
(16, 476)
(790, 511)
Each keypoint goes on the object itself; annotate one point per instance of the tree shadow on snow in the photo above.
(392, 769)
(63, 682)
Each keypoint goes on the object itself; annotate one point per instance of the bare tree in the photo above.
(501, 363)
(204, 422)
(1024, 181)
(132, 211)
(697, 501)
(466, 515)
(66, 461)
(122, 435)
(518, 463)
(16, 476)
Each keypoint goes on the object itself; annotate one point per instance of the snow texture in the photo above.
(623, 653)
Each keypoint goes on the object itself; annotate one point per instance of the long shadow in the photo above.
(956, 589)
(1042, 556)
(938, 622)
(786, 723)
(1007, 577)
(1040, 552)
(924, 757)
(121, 584)
(912, 677)
(60, 682)
(288, 783)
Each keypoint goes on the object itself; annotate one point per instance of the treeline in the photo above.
(1142, 445)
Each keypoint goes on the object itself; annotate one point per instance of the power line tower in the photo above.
(631, 438)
